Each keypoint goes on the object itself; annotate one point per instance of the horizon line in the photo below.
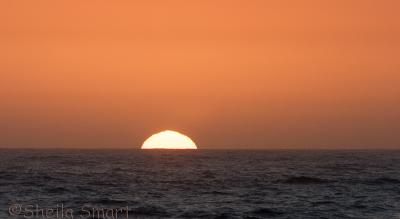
(218, 148)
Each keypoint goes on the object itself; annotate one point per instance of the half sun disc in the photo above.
(169, 140)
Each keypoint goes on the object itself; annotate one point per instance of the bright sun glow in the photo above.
(169, 140)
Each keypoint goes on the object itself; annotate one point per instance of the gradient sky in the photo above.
(230, 74)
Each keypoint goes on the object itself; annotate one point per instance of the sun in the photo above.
(169, 140)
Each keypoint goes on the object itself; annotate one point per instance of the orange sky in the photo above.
(230, 74)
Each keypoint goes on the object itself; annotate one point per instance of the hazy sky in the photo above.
(232, 74)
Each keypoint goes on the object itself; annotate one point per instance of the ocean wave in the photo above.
(149, 210)
(197, 214)
(304, 180)
(110, 201)
(384, 180)
(57, 190)
(266, 212)
(225, 215)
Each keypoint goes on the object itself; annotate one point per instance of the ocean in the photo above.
(199, 184)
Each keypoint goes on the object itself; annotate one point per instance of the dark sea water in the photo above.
(201, 184)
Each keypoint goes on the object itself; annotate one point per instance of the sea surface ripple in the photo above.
(206, 183)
